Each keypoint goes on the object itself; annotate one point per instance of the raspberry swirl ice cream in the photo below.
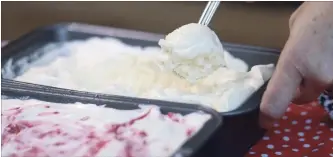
(37, 128)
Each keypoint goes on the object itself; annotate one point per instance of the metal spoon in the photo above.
(208, 12)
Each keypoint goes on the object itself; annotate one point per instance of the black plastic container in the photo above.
(240, 129)
(191, 148)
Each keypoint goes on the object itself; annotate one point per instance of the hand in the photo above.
(305, 67)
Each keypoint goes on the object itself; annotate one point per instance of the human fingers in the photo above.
(281, 88)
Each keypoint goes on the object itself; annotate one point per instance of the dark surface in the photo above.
(189, 149)
(240, 130)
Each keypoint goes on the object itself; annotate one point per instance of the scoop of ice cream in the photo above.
(194, 51)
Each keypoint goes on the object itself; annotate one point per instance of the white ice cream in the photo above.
(37, 128)
(110, 66)
(195, 51)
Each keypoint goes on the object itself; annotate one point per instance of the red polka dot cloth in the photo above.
(304, 131)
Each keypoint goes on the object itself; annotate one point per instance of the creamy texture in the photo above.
(112, 67)
(195, 51)
(37, 128)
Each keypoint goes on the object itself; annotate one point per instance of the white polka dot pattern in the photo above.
(301, 132)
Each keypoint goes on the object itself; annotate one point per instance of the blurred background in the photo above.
(258, 23)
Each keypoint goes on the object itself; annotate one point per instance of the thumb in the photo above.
(280, 90)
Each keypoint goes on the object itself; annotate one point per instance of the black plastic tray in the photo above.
(191, 148)
(240, 130)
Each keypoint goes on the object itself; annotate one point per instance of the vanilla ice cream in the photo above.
(195, 51)
(37, 128)
(107, 65)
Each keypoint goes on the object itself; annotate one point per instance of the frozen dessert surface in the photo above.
(213, 77)
(38, 128)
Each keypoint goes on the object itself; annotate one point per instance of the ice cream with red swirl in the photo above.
(37, 128)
